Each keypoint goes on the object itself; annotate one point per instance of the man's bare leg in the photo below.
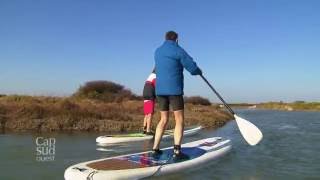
(160, 128)
(178, 130)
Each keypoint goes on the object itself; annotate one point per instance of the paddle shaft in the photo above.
(211, 87)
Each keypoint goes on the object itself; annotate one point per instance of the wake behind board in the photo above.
(122, 138)
(142, 165)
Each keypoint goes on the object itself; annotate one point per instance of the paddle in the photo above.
(248, 130)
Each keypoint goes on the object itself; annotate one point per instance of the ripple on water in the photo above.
(287, 126)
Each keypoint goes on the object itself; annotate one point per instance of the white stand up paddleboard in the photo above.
(122, 138)
(145, 164)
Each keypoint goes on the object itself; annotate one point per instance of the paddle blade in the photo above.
(249, 131)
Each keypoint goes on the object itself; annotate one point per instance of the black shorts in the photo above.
(176, 102)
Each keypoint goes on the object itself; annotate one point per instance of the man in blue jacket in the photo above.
(170, 59)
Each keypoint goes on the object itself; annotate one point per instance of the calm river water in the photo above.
(290, 150)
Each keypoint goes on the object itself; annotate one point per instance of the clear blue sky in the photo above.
(251, 51)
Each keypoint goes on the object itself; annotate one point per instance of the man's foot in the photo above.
(178, 155)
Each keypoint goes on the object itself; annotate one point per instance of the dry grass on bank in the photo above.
(28, 113)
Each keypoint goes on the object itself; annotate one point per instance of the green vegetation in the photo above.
(241, 105)
(295, 106)
(96, 106)
(197, 100)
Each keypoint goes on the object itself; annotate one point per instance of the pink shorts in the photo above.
(148, 107)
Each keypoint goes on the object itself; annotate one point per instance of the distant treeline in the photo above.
(297, 105)
(241, 104)
(292, 106)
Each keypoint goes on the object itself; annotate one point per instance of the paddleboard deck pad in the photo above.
(134, 137)
(145, 164)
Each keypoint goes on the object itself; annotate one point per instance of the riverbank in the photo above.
(281, 106)
(295, 106)
(49, 114)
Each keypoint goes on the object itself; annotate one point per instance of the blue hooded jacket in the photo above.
(170, 59)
